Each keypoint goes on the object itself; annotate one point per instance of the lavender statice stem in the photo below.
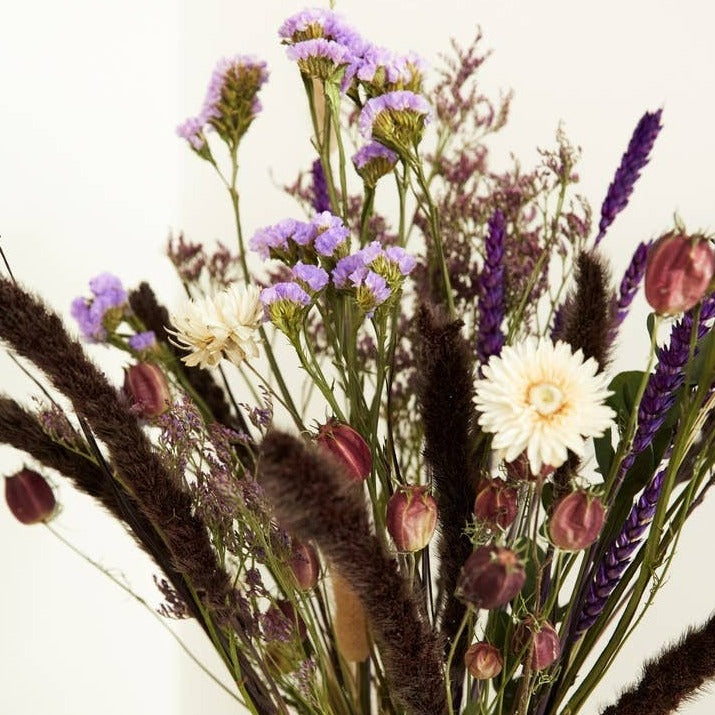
(634, 159)
(490, 337)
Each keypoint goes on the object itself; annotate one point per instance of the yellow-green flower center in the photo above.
(546, 398)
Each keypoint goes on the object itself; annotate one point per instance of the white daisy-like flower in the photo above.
(541, 398)
(221, 325)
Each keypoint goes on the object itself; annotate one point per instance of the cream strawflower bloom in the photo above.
(221, 325)
(540, 398)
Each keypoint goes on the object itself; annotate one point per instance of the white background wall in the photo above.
(92, 178)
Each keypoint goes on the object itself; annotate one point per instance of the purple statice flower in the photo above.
(313, 23)
(634, 159)
(143, 341)
(405, 261)
(193, 131)
(108, 293)
(631, 280)
(321, 198)
(273, 237)
(663, 384)
(288, 291)
(353, 268)
(319, 58)
(372, 151)
(400, 101)
(371, 290)
(618, 556)
(490, 338)
(315, 277)
(331, 233)
(389, 70)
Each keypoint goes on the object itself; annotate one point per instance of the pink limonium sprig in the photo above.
(490, 337)
(634, 159)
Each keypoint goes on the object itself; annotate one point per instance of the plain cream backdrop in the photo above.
(93, 178)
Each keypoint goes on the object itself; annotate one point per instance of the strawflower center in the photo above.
(546, 398)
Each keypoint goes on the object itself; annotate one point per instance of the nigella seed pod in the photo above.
(147, 388)
(305, 565)
(678, 272)
(576, 521)
(29, 497)
(483, 661)
(490, 577)
(411, 517)
(542, 639)
(496, 503)
(348, 446)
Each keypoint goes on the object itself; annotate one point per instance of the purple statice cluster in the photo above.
(327, 48)
(142, 342)
(230, 105)
(373, 161)
(101, 314)
(290, 240)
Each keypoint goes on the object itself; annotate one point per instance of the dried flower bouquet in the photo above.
(484, 498)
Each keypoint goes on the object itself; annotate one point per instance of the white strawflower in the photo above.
(542, 399)
(221, 325)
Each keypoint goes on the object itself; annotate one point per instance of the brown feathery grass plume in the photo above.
(586, 319)
(674, 676)
(314, 501)
(351, 637)
(445, 390)
(37, 334)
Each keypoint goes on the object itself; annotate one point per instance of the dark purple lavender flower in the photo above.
(321, 198)
(619, 554)
(631, 280)
(490, 337)
(669, 374)
(313, 276)
(143, 341)
(331, 233)
(396, 119)
(635, 158)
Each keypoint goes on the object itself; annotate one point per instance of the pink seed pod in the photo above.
(305, 565)
(411, 517)
(545, 643)
(483, 661)
(348, 446)
(490, 577)
(496, 503)
(576, 521)
(678, 274)
(148, 390)
(29, 497)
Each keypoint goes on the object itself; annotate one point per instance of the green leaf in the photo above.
(604, 453)
(625, 388)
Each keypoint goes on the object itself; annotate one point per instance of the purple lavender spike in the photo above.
(631, 280)
(618, 556)
(662, 385)
(321, 199)
(635, 158)
(490, 338)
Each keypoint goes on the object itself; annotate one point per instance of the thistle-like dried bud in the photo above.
(305, 565)
(29, 497)
(490, 577)
(483, 661)
(147, 388)
(496, 503)
(678, 273)
(576, 521)
(544, 640)
(348, 445)
(411, 517)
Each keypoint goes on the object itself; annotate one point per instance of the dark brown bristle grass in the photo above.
(314, 501)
